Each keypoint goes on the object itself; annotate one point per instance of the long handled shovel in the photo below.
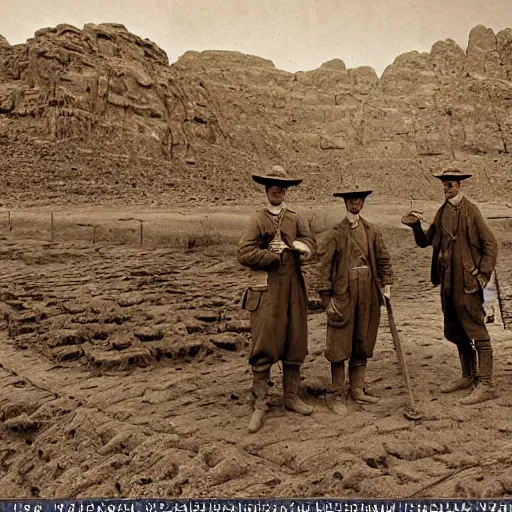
(411, 412)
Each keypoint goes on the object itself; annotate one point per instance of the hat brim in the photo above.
(353, 193)
(273, 180)
(452, 177)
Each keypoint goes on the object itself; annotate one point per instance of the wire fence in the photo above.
(147, 230)
(143, 229)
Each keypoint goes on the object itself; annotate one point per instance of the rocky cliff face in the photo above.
(103, 81)
(98, 114)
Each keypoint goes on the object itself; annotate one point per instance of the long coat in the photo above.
(335, 256)
(474, 247)
(277, 297)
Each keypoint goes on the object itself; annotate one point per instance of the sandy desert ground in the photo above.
(124, 370)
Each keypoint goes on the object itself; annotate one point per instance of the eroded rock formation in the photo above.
(102, 109)
(103, 81)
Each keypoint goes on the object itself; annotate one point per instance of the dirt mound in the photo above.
(161, 308)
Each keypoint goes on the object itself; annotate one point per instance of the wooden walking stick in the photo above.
(411, 412)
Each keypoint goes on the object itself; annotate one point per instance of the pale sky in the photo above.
(297, 35)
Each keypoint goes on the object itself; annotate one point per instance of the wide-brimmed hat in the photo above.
(354, 191)
(452, 174)
(276, 176)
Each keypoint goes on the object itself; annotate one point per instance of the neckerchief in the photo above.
(275, 210)
(455, 201)
(353, 220)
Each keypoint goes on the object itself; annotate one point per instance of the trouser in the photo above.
(279, 317)
(464, 325)
(464, 317)
(356, 340)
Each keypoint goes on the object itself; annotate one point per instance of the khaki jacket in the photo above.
(335, 254)
(253, 249)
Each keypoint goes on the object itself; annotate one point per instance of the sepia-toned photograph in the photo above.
(255, 249)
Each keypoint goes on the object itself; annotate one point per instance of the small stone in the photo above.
(22, 423)
(236, 326)
(67, 353)
(506, 482)
(73, 309)
(227, 341)
(121, 344)
(226, 470)
(126, 302)
(145, 335)
(65, 337)
(357, 475)
(407, 451)
(207, 316)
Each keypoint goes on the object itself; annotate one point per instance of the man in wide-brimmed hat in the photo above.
(464, 257)
(274, 243)
(354, 270)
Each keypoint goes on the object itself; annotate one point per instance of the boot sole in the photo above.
(453, 390)
(479, 401)
(363, 401)
(299, 412)
(255, 428)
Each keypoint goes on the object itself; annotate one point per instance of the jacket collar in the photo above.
(457, 200)
(276, 210)
(346, 223)
(461, 205)
(353, 220)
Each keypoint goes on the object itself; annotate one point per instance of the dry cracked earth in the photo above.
(124, 374)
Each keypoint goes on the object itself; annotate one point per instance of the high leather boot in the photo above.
(259, 390)
(337, 399)
(484, 390)
(467, 358)
(291, 388)
(356, 379)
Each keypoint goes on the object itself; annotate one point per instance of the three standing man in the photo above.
(354, 274)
